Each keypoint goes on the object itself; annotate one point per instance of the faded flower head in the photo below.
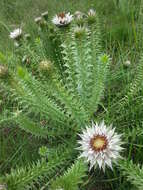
(15, 34)
(91, 12)
(100, 145)
(104, 58)
(43, 151)
(91, 16)
(127, 63)
(78, 15)
(80, 31)
(62, 19)
(45, 65)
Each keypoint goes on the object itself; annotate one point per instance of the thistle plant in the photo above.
(57, 105)
(100, 145)
(62, 19)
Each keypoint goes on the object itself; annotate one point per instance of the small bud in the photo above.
(91, 12)
(127, 63)
(45, 65)
(91, 16)
(43, 151)
(80, 31)
(104, 58)
(45, 15)
(3, 71)
(79, 17)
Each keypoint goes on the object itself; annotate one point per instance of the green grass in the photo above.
(118, 19)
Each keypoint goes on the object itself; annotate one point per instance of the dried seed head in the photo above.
(104, 58)
(3, 71)
(43, 151)
(79, 17)
(127, 63)
(91, 12)
(45, 65)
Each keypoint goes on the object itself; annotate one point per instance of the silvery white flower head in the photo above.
(62, 19)
(100, 145)
(16, 33)
(91, 12)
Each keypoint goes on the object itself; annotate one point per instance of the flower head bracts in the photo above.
(62, 19)
(100, 145)
(80, 31)
(91, 12)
